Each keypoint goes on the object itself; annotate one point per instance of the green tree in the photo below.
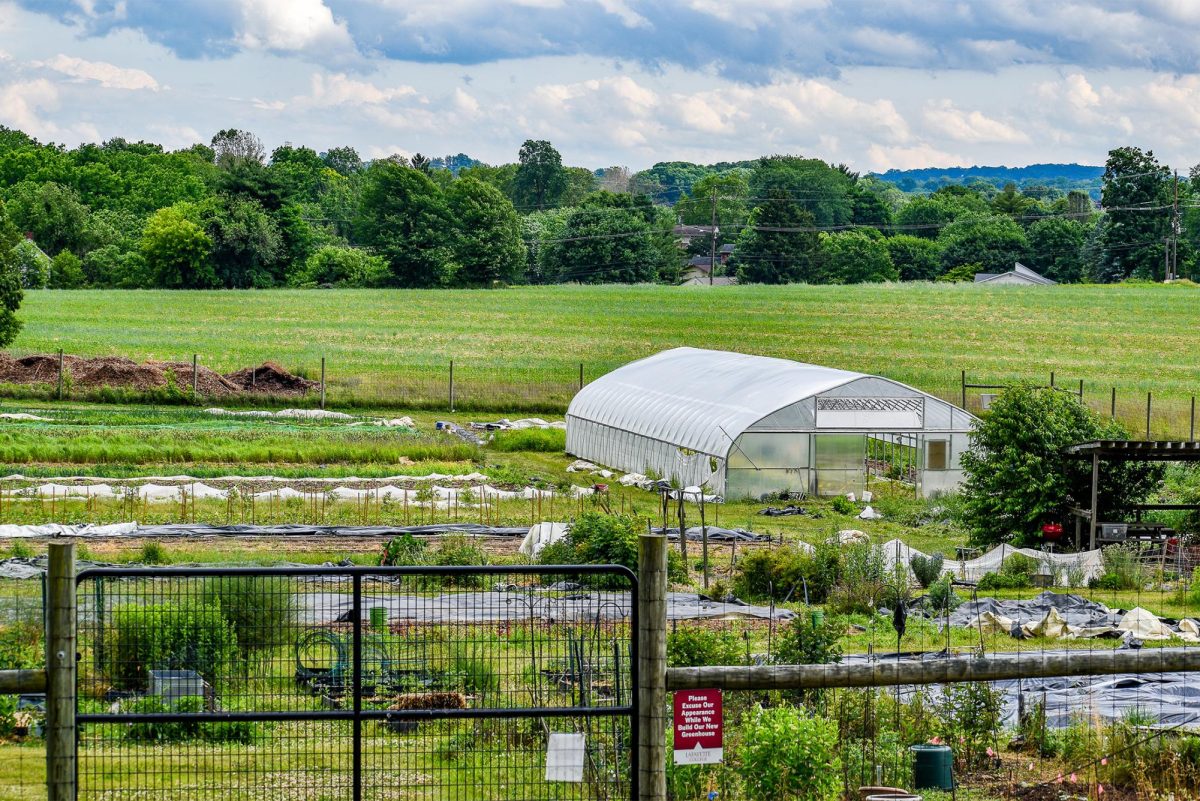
(1012, 202)
(727, 194)
(33, 266)
(343, 160)
(581, 182)
(244, 245)
(775, 247)
(997, 243)
(403, 216)
(541, 230)
(855, 257)
(824, 191)
(66, 271)
(1135, 195)
(487, 245)
(342, 266)
(603, 242)
(11, 293)
(540, 180)
(1017, 477)
(1056, 248)
(51, 212)
(917, 258)
(175, 248)
(234, 148)
(503, 177)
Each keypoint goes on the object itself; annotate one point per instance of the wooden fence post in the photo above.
(322, 382)
(451, 385)
(60, 374)
(652, 667)
(581, 376)
(1148, 402)
(60, 669)
(195, 373)
(1113, 412)
(964, 389)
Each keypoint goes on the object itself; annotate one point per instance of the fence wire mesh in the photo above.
(355, 683)
(22, 646)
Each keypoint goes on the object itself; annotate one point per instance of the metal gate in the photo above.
(464, 682)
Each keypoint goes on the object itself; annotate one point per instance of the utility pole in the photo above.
(712, 242)
(1175, 232)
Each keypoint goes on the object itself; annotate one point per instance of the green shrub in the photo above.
(239, 732)
(693, 646)
(456, 550)
(261, 610)
(843, 505)
(927, 569)
(600, 539)
(21, 646)
(472, 669)
(788, 571)
(999, 581)
(942, 597)
(153, 553)
(807, 643)
(863, 582)
(170, 636)
(969, 716)
(405, 550)
(1122, 570)
(1018, 564)
(785, 754)
(539, 440)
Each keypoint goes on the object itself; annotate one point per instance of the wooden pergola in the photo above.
(1128, 450)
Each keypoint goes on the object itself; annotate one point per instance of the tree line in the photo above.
(230, 215)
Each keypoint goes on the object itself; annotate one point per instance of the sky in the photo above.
(876, 84)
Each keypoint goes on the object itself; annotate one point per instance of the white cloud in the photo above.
(23, 105)
(290, 25)
(881, 158)
(970, 126)
(338, 89)
(107, 75)
(176, 137)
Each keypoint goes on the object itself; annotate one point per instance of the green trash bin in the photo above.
(378, 619)
(933, 767)
(817, 618)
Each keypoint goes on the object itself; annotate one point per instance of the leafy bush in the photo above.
(970, 716)
(927, 569)
(788, 570)
(239, 731)
(864, 580)
(942, 597)
(170, 636)
(404, 550)
(472, 669)
(21, 646)
(341, 266)
(807, 643)
(784, 754)
(843, 505)
(600, 539)
(1122, 570)
(693, 646)
(999, 581)
(153, 553)
(261, 610)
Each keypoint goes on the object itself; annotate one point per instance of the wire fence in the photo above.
(456, 683)
(22, 646)
(473, 385)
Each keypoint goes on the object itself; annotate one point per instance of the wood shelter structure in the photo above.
(1124, 450)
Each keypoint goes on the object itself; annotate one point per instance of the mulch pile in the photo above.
(118, 372)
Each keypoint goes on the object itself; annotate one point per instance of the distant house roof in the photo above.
(700, 263)
(1019, 274)
(727, 247)
(692, 279)
(691, 230)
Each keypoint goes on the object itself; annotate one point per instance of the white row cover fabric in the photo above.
(974, 569)
(153, 493)
(1136, 623)
(58, 530)
(540, 536)
(468, 477)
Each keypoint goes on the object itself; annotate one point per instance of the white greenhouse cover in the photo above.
(699, 399)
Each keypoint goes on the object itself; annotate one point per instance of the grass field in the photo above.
(527, 343)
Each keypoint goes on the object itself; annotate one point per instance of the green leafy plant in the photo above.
(843, 505)
(863, 582)
(170, 636)
(600, 539)
(787, 571)
(809, 640)
(404, 550)
(786, 754)
(969, 716)
(694, 646)
(942, 597)
(1122, 569)
(927, 569)
(238, 732)
(261, 610)
(153, 553)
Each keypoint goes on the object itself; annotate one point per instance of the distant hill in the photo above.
(1059, 176)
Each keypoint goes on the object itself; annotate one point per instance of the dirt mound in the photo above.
(270, 379)
(119, 372)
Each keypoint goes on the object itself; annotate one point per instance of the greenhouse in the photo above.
(746, 426)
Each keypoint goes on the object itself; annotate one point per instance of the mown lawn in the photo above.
(396, 343)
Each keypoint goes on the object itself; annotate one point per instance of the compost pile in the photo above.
(119, 372)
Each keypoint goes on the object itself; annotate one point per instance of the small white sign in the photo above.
(564, 757)
(699, 756)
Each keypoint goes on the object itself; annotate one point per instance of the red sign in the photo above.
(699, 727)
